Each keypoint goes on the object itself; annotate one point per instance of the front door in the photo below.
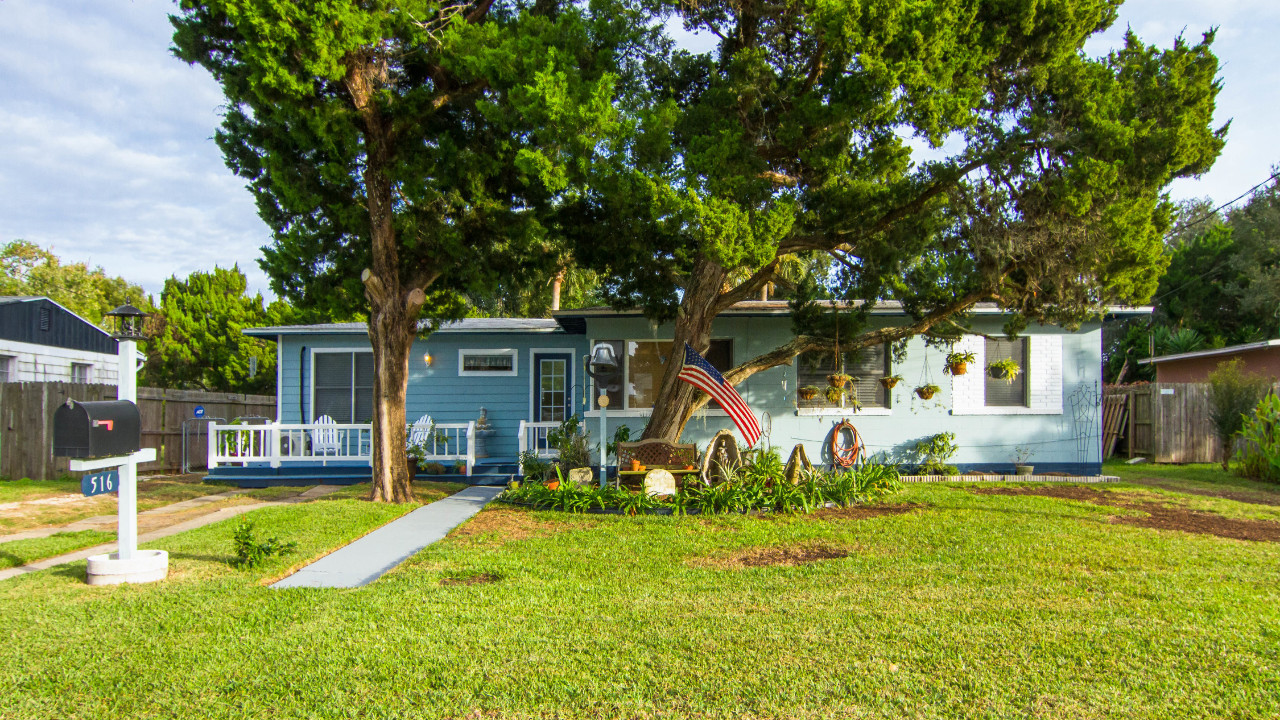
(551, 383)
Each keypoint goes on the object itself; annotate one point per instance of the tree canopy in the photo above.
(200, 342)
(28, 269)
(1043, 189)
(405, 153)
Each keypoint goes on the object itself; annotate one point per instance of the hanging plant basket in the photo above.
(890, 382)
(807, 393)
(834, 395)
(926, 392)
(1006, 370)
(958, 362)
(838, 380)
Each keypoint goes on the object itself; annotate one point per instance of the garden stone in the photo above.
(659, 482)
(582, 476)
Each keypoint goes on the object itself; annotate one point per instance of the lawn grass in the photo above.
(20, 552)
(972, 606)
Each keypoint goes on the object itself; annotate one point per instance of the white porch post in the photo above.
(127, 515)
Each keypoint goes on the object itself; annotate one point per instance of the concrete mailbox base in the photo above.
(144, 567)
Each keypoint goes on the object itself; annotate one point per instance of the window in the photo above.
(6, 368)
(81, 372)
(342, 386)
(1001, 392)
(487, 362)
(867, 366)
(552, 388)
(643, 363)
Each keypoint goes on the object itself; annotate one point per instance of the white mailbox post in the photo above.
(127, 564)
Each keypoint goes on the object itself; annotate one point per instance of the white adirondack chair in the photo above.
(420, 433)
(324, 440)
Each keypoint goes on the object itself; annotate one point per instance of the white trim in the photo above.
(311, 378)
(846, 412)
(280, 378)
(568, 388)
(1229, 350)
(1007, 410)
(512, 352)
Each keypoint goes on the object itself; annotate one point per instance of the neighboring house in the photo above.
(1262, 358)
(530, 372)
(41, 341)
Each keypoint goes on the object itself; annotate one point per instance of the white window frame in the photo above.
(511, 352)
(626, 411)
(10, 366)
(88, 372)
(311, 377)
(1045, 381)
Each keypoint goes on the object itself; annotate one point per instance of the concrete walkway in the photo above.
(213, 517)
(368, 558)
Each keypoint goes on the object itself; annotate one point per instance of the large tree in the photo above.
(403, 152)
(1042, 189)
(200, 341)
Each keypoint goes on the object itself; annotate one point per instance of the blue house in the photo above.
(526, 375)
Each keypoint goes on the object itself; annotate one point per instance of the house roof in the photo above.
(574, 321)
(1229, 350)
(468, 325)
(39, 320)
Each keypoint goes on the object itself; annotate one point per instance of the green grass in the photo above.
(20, 552)
(28, 489)
(977, 606)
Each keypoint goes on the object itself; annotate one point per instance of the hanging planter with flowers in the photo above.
(958, 362)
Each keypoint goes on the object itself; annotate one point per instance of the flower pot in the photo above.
(1024, 469)
(807, 395)
(553, 485)
(998, 372)
(924, 393)
(635, 465)
(837, 381)
(958, 368)
(889, 383)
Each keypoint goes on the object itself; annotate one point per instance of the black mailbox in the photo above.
(96, 429)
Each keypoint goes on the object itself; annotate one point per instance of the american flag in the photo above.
(698, 372)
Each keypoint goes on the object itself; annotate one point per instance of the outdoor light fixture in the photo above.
(128, 322)
(426, 358)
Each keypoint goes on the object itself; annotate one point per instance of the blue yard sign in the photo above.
(105, 481)
(199, 411)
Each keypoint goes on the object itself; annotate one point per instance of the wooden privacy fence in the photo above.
(26, 423)
(1167, 422)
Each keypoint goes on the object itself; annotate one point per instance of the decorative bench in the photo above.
(678, 459)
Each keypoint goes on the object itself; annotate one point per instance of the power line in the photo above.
(1214, 211)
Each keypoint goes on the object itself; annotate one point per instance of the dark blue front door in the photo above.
(552, 378)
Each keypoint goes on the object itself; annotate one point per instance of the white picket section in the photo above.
(534, 436)
(282, 443)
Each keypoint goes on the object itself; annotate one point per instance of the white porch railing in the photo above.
(322, 443)
(534, 437)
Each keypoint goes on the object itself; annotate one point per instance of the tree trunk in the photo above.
(393, 312)
(674, 404)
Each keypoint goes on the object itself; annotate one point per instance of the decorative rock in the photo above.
(582, 476)
(798, 461)
(721, 459)
(144, 567)
(659, 482)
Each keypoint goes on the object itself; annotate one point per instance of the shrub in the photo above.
(1233, 394)
(1260, 458)
(572, 443)
(250, 552)
(935, 451)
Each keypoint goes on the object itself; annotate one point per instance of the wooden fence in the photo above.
(1167, 422)
(26, 424)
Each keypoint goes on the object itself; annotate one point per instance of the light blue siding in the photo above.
(1068, 440)
(438, 390)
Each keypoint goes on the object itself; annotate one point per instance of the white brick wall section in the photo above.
(1044, 376)
(968, 391)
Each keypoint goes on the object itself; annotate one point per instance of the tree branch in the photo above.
(747, 288)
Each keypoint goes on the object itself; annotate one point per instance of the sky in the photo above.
(107, 153)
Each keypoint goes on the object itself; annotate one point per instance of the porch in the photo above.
(271, 454)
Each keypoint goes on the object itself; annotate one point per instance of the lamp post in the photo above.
(602, 366)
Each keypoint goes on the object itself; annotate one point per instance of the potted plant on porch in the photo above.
(1021, 455)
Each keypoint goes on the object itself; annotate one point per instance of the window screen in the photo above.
(867, 366)
(1001, 392)
(6, 368)
(344, 387)
(644, 363)
(80, 372)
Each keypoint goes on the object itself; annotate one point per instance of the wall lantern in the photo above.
(426, 358)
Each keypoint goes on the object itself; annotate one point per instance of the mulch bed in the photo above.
(1157, 515)
(481, 579)
(788, 556)
(862, 512)
(1256, 497)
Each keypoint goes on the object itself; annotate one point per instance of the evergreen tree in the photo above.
(200, 342)
(28, 269)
